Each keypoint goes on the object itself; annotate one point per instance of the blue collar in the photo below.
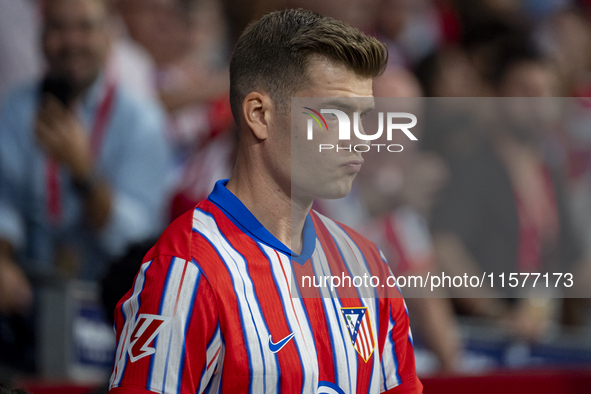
(236, 211)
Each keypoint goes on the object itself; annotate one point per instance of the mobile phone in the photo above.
(60, 88)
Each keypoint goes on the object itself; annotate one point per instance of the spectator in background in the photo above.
(504, 209)
(390, 24)
(358, 13)
(82, 161)
(448, 72)
(420, 28)
(400, 219)
(190, 69)
(187, 40)
(19, 58)
(129, 62)
(566, 37)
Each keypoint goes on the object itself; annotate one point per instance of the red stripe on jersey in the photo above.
(128, 390)
(200, 330)
(365, 369)
(319, 323)
(290, 298)
(394, 305)
(237, 374)
(269, 300)
(400, 332)
(175, 240)
(377, 266)
(403, 347)
(313, 305)
(301, 273)
(411, 386)
(333, 257)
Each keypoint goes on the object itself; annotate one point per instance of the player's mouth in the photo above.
(354, 165)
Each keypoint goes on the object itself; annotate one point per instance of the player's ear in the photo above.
(256, 111)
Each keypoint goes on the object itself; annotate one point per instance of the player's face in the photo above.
(327, 174)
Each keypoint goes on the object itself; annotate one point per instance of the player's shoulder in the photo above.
(176, 239)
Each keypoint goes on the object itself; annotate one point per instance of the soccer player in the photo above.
(211, 308)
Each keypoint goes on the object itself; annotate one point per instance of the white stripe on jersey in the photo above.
(176, 301)
(348, 248)
(360, 344)
(409, 329)
(351, 253)
(130, 310)
(215, 386)
(389, 361)
(366, 338)
(254, 327)
(212, 359)
(346, 372)
(296, 317)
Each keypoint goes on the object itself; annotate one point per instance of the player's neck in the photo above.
(271, 204)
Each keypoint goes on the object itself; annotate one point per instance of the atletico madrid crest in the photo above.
(358, 323)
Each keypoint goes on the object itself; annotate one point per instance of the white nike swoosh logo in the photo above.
(277, 346)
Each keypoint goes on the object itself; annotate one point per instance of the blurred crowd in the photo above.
(115, 119)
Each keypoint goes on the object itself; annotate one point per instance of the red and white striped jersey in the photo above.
(211, 311)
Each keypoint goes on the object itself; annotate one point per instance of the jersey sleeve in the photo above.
(398, 372)
(168, 333)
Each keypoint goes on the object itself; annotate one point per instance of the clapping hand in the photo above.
(62, 136)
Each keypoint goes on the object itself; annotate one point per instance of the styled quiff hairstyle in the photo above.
(272, 54)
